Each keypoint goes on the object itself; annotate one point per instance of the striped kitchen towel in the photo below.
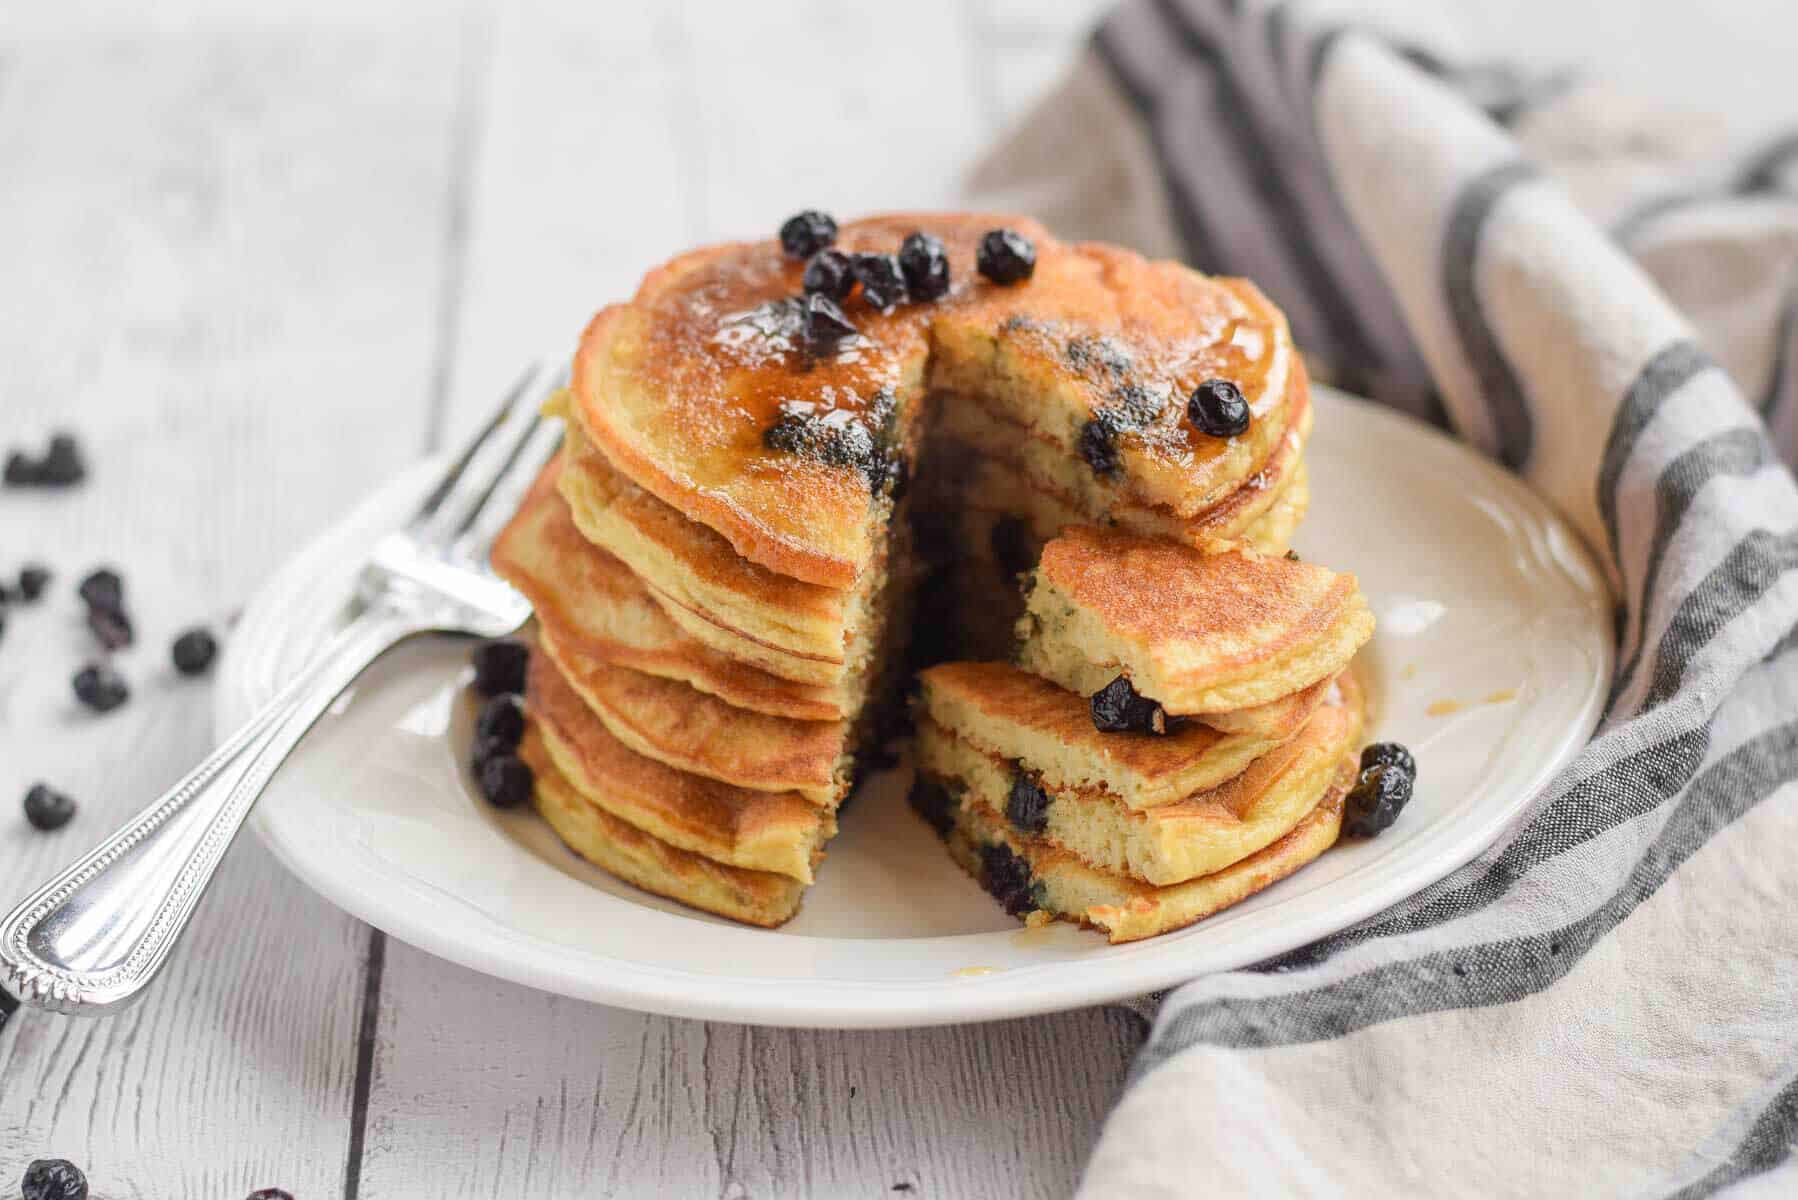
(1606, 1001)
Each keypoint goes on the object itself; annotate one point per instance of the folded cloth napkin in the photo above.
(1606, 1001)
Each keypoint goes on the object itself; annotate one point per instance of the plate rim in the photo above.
(845, 1004)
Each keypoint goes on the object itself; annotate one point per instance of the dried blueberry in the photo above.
(882, 280)
(64, 464)
(100, 688)
(53, 1179)
(193, 652)
(46, 808)
(22, 470)
(111, 627)
(103, 588)
(1007, 877)
(1217, 409)
(926, 266)
(506, 781)
(501, 720)
(1117, 708)
(836, 438)
(1006, 256)
(1389, 754)
(932, 802)
(1098, 442)
(828, 274)
(1376, 800)
(499, 666)
(804, 234)
(271, 1194)
(32, 581)
(826, 326)
(1010, 541)
(1027, 804)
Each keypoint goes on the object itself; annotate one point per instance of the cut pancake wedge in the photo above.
(754, 897)
(780, 832)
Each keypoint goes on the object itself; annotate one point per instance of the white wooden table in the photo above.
(262, 258)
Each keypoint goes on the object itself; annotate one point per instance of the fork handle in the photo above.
(92, 938)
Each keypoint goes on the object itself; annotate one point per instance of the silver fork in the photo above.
(91, 940)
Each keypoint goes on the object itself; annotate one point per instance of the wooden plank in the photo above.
(223, 252)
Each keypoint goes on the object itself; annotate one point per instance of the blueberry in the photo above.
(933, 802)
(882, 280)
(111, 627)
(499, 666)
(22, 470)
(826, 325)
(836, 438)
(1389, 754)
(100, 688)
(1006, 256)
(1117, 708)
(926, 266)
(1098, 443)
(1217, 409)
(487, 747)
(1027, 804)
(271, 1194)
(64, 464)
(103, 588)
(506, 781)
(32, 581)
(1376, 800)
(1007, 877)
(1010, 541)
(828, 274)
(46, 808)
(193, 652)
(53, 1179)
(501, 719)
(804, 234)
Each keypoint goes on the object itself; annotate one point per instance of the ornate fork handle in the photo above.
(93, 937)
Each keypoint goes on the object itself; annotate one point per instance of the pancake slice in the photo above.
(780, 832)
(1170, 843)
(669, 722)
(753, 897)
(599, 606)
(1201, 633)
(1049, 730)
(1028, 876)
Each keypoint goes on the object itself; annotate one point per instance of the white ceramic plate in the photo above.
(1490, 663)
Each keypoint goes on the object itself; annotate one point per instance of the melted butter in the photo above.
(1034, 935)
(969, 972)
(1443, 708)
(1502, 696)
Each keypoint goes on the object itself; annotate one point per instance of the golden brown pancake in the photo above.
(1032, 876)
(665, 720)
(598, 606)
(761, 831)
(754, 897)
(1049, 730)
(1201, 633)
(677, 386)
(1170, 843)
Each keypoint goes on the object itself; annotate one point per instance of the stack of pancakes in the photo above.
(1219, 766)
(745, 529)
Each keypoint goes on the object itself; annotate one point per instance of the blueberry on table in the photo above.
(1376, 801)
(100, 688)
(47, 809)
(1389, 754)
(827, 274)
(506, 781)
(1006, 256)
(111, 627)
(501, 720)
(882, 279)
(33, 579)
(804, 234)
(1217, 409)
(1117, 708)
(103, 588)
(499, 666)
(926, 266)
(22, 470)
(826, 325)
(53, 1179)
(271, 1194)
(194, 651)
(64, 464)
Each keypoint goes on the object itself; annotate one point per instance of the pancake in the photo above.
(1018, 717)
(1170, 843)
(1277, 719)
(753, 897)
(780, 832)
(671, 723)
(1030, 876)
(677, 387)
(600, 608)
(1201, 633)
